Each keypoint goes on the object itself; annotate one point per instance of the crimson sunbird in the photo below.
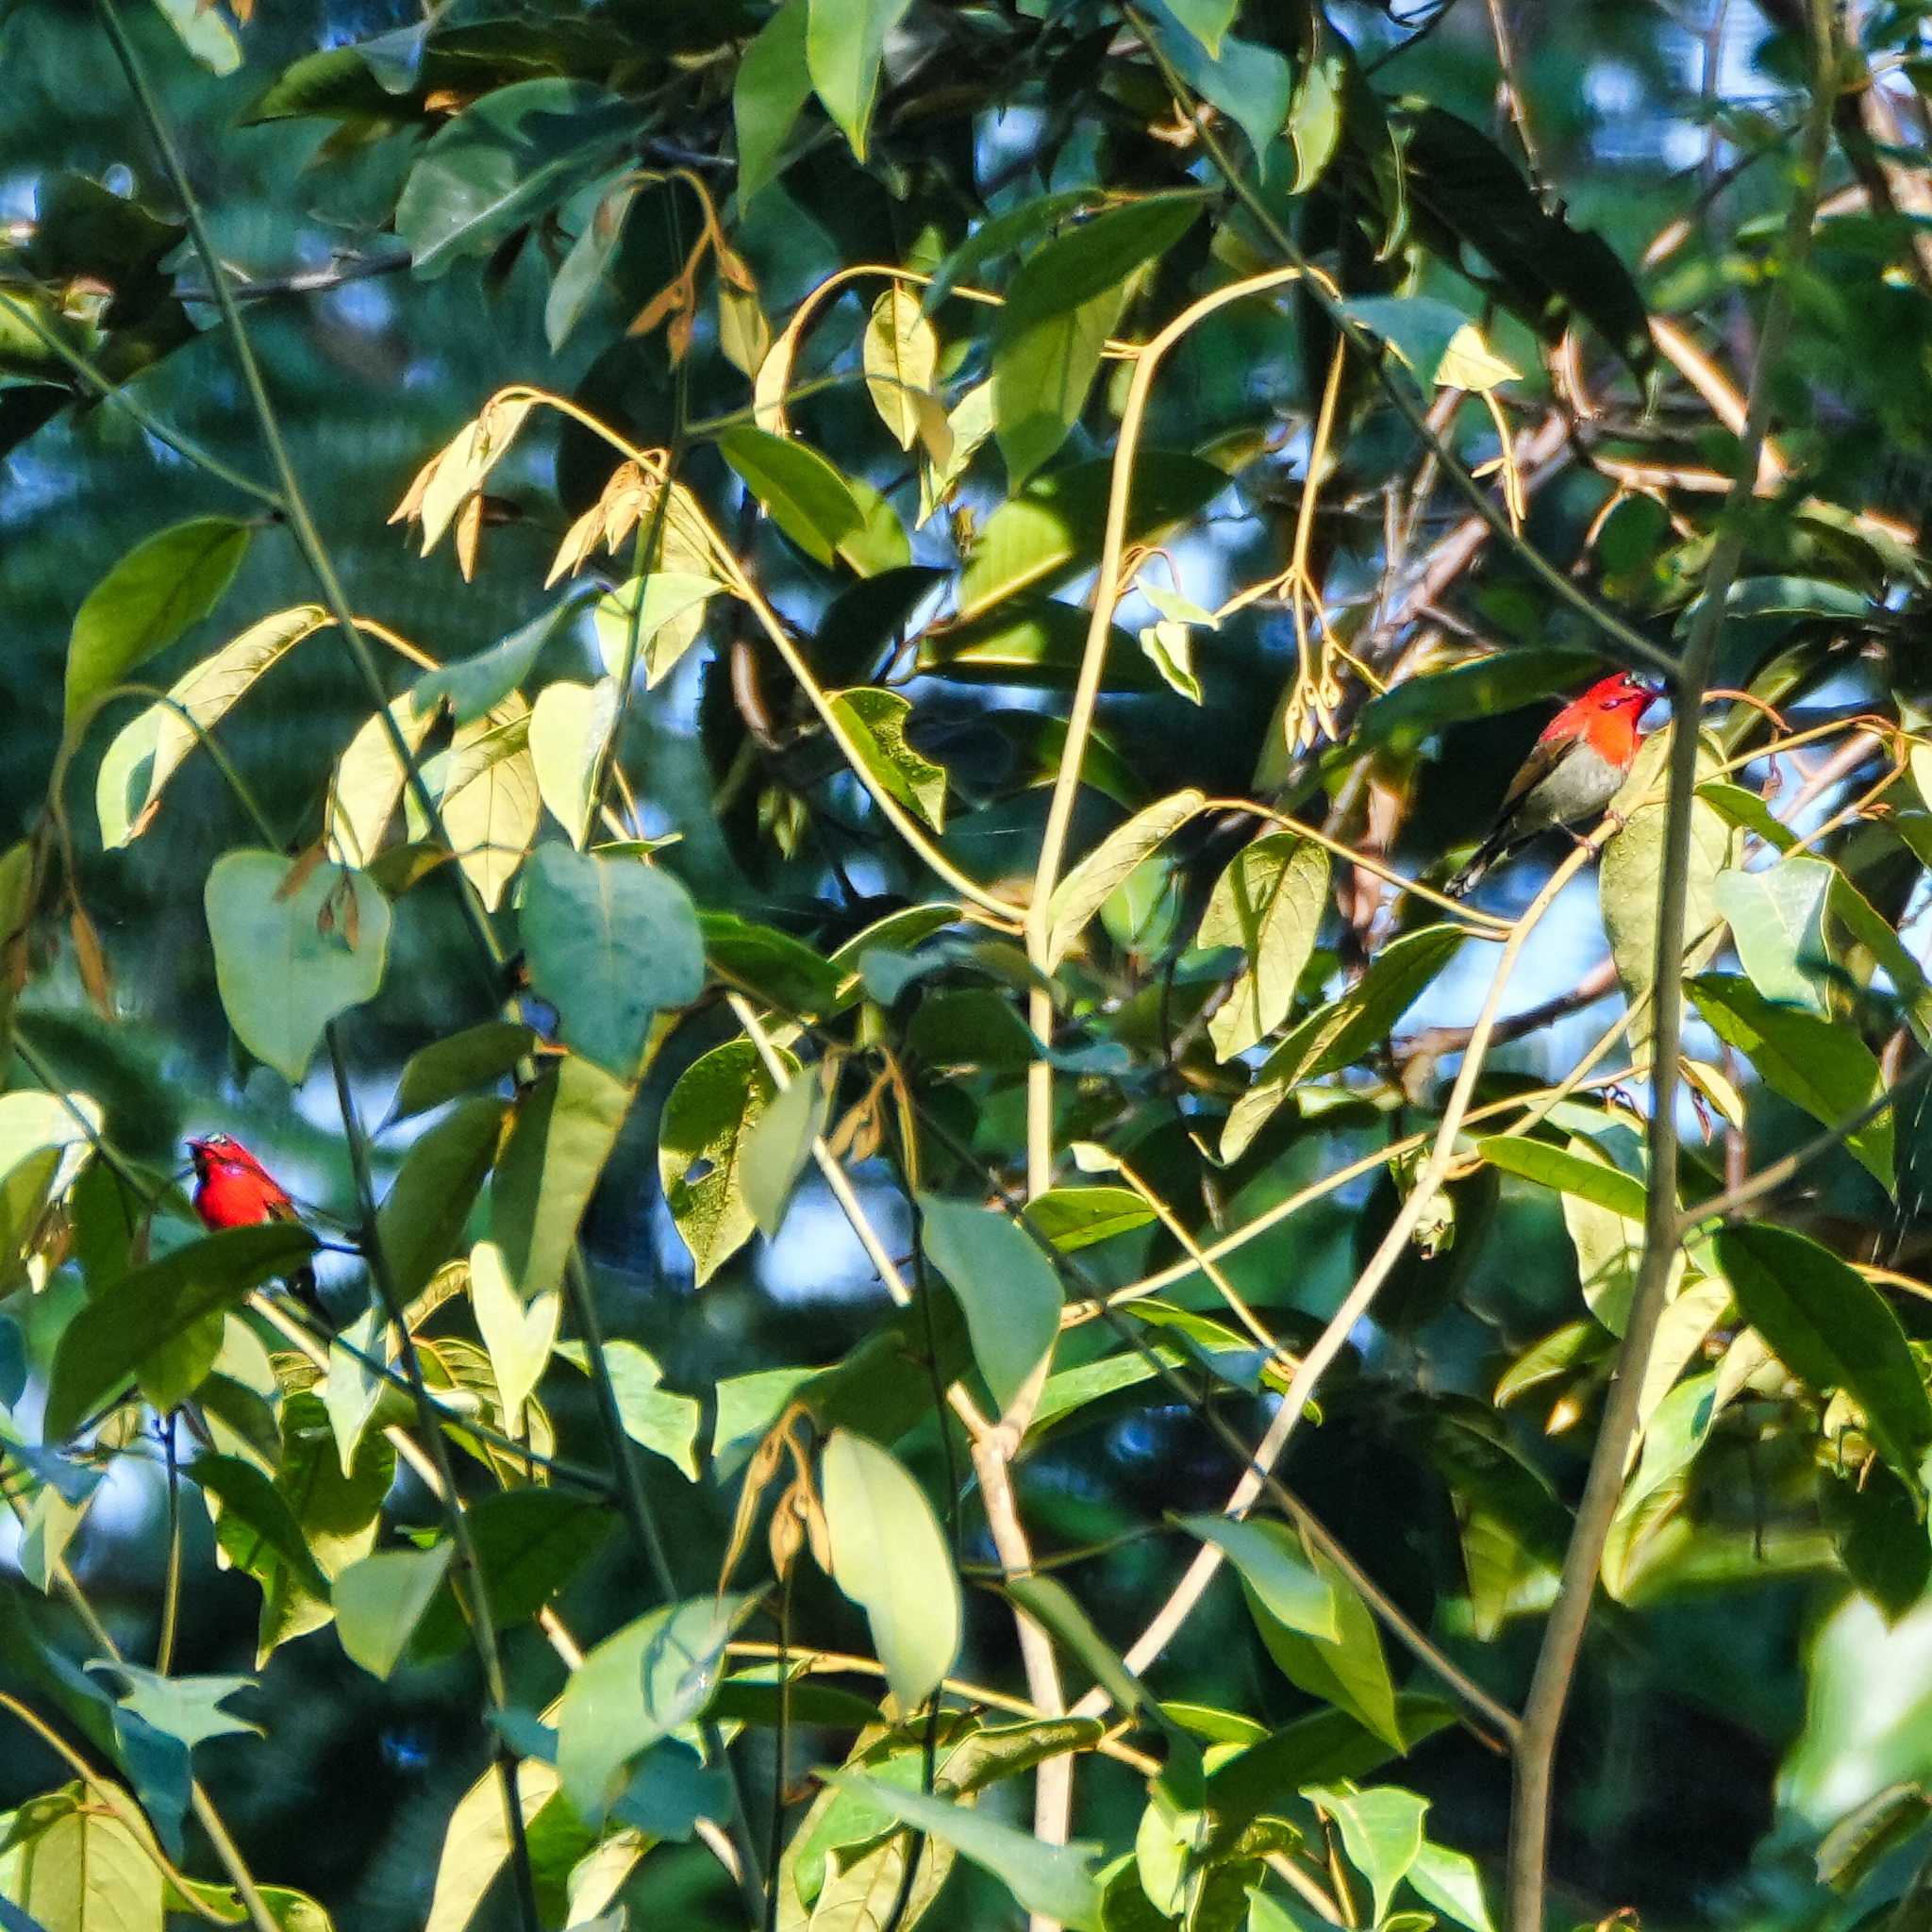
(232, 1189)
(1572, 772)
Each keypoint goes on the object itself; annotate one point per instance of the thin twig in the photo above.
(1555, 1665)
(469, 1566)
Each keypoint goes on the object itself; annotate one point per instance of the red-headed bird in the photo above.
(232, 1189)
(1572, 772)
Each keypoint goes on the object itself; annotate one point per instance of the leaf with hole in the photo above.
(702, 1136)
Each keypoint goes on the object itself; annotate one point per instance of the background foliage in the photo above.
(964, 574)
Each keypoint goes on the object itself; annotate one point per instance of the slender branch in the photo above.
(475, 1596)
(225, 1850)
(1509, 87)
(1329, 1344)
(1630, 644)
(1555, 1665)
(1107, 593)
(115, 1798)
(295, 503)
(116, 392)
(1774, 1174)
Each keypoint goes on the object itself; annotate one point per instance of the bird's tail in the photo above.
(1470, 875)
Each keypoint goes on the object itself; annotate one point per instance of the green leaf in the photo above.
(188, 1708)
(1401, 718)
(771, 965)
(1834, 1330)
(1001, 235)
(478, 1057)
(148, 751)
(1434, 339)
(475, 686)
(1275, 1566)
(566, 1127)
(1053, 526)
(570, 726)
(778, 1149)
(505, 160)
(1059, 311)
(772, 84)
(369, 780)
(877, 722)
(1034, 641)
(1862, 920)
(1826, 1068)
(1057, 1881)
(1466, 193)
(424, 1213)
(158, 590)
(1630, 875)
(1250, 83)
(638, 1687)
(291, 953)
(610, 941)
(477, 1841)
(806, 496)
(889, 1556)
(380, 1601)
(209, 37)
(1339, 1034)
(1450, 1881)
(531, 1544)
(654, 1418)
(1352, 1671)
(486, 789)
(1206, 20)
(588, 265)
(353, 1389)
(1795, 597)
(85, 1863)
(1315, 119)
(1381, 1832)
(1591, 1180)
(1776, 916)
(1747, 811)
(108, 1340)
(1088, 886)
(256, 1505)
(844, 43)
(518, 1336)
(670, 615)
(1269, 903)
(1007, 1288)
(901, 354)
(707, 1122)
(1073, 1217)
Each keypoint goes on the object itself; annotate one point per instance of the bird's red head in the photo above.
(1607, 714)
(215, 1152)
(1628, 690)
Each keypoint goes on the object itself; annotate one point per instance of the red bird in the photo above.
(232, 1189)
(1572, 772)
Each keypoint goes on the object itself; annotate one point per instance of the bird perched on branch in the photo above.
(232, 1189)
(1572, 772)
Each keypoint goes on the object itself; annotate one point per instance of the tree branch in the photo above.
(1555, 1665)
